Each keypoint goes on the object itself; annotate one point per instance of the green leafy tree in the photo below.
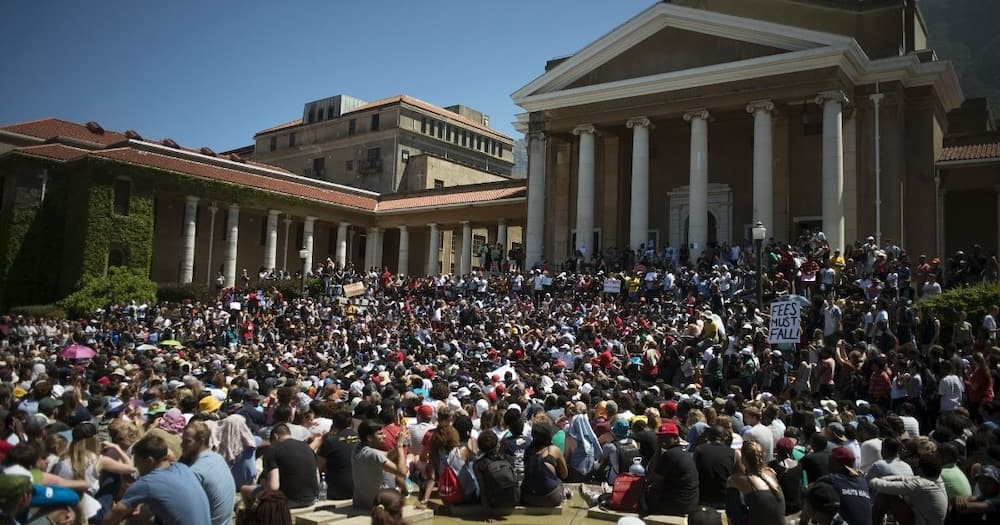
(119, 286)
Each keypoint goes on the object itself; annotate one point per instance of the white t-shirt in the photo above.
(951, 389)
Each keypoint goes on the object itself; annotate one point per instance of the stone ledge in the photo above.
(347, 515)
(472, 510)
(598, 513)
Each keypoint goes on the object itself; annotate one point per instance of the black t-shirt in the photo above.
(647, 445)
(715, 463)
(816, 465)
(296, 464)
(855, 501)
(337, 448)
(676, 494)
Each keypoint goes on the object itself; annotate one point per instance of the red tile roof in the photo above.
(53, 151)
(971, 152)
(243, 178)
(50, 128)
(471, 196)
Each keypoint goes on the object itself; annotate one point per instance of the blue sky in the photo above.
(211, 73)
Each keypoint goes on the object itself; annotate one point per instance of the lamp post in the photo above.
(759, 233)
(304, 255)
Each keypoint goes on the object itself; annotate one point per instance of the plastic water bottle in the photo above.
(322, 488)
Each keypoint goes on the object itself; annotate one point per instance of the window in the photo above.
(423, 124)
(456, 136)
(479, 142)
(493, 147)
(123, 190)
(349, 165)
(375, 121)
(447, 135)
(405, 157)
(319, 167)
(477, 243)
(319, 114)
(438, 183)
(454, 242)
(291, 140)
(374, 155)
(465, 138)
(274, 143)
(352, 127)
(116, 258)
(440, 126)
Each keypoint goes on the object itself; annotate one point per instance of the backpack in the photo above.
(448, 486)
(627, 493)
(270, 508)
(499, 482)
(627, 452)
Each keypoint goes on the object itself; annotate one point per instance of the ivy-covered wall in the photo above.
(132, 233)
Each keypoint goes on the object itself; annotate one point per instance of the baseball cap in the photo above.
(669, 408)
(785, 444)
(667, 429)
(843, 455)
(425, 410)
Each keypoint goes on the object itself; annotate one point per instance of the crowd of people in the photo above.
(643, 376)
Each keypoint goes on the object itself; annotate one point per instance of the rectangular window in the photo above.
(374, 154)
(447, 135)
(319, 167)
(375, 121)
(454, 242)
(352, 127)
(456, 136)
(440, 126)
(274, 143)
(291, 140)
(477, 243)
(479, 142)
(493, 147)
(423, 124)
(405, 156)
(349, 165)
(123, 191)
(465, 138)
(438, 183)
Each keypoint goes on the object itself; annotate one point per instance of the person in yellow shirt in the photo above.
(837, 262)
(632, 286)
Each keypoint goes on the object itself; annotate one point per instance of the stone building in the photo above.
(696, 118)
(76, 199)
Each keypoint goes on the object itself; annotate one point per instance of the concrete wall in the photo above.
(422, 170)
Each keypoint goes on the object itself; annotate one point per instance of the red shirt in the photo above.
(879, 385)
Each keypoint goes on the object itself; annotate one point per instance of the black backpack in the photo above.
(499, 483)
(627, 452)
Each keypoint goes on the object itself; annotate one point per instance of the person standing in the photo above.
(211, 470)
(950, 388)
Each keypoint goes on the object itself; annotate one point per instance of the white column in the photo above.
(271, 240)
(377, 254)
(190, 225)
(370, 240)
(465, 261)
(502, 237)
(535, 230)
(404, 251)
(210, 272)
(433, 253)
(585, 189)
(763, 165)
(288, 226)
(232, 240)
(307, 240)
(833, 167)
(698, 185)
(342, 243)
(639, 210)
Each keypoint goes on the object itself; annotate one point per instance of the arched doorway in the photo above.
(713, 229)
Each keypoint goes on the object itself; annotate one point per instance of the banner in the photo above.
(354, 289)
(785, 325)
(612, 286)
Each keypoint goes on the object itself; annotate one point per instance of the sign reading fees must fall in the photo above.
(785, 324)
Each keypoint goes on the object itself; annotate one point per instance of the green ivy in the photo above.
(974, 300)
(119, 286)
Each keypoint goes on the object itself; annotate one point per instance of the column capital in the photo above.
(402, 227)
(432, 224)
(502, 220)
(344, 224)
(288, 220)
(234, 207)
(584, 128)
(642, 122)
(273, 213)
(760, 105)
(536, 135)
(835, 95)
(464, 223)
(310, 219)
(213, 208)
(191, 199)
(699, 114)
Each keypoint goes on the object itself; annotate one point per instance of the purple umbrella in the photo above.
(78, 352)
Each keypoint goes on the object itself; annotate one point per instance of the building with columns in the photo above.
(76, 200)
(696, 118)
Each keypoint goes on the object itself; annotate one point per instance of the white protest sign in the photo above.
(612, 286)
(785, 326)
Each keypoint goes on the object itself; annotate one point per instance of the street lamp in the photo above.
(759, 233)
(304, 255)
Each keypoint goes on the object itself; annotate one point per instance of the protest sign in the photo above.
(612, 286)
(785, 325)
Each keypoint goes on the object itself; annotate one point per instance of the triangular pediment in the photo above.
(672, 49)
(667, 39)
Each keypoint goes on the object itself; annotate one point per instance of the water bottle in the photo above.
(322, 488)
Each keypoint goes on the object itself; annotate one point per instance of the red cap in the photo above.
(843, 455)
(668, 429)
(104, 381)
(669, 408)
(500, 389)
(785, 444)
(425, 410)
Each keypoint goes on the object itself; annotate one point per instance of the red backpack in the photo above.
(626, 495)
(448, 487)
